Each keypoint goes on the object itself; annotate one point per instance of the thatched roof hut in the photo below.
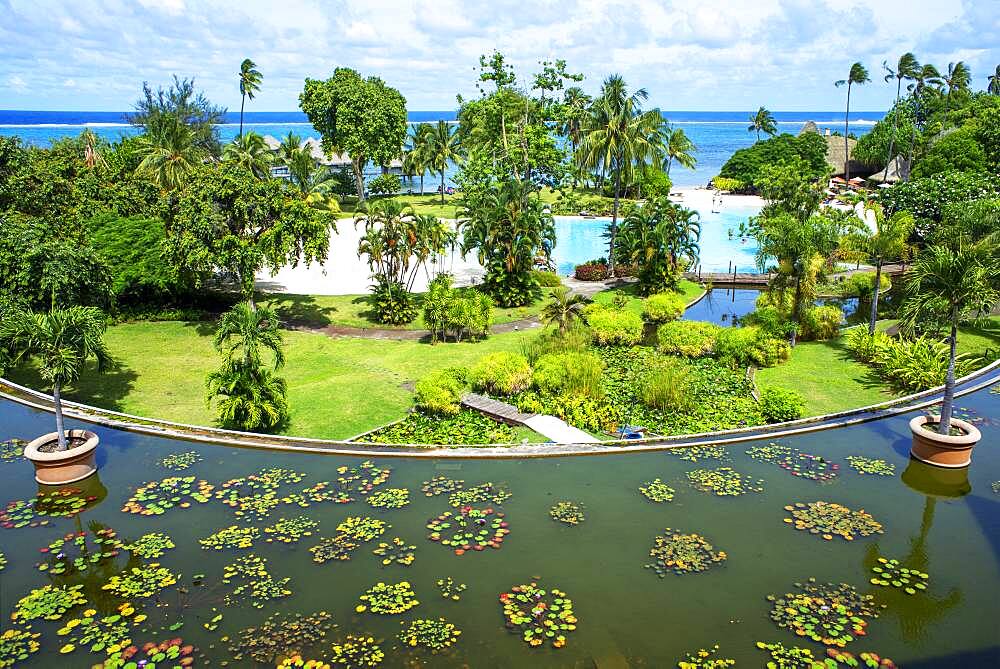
(899, 169)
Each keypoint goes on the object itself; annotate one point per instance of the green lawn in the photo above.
(422, 204)
(689, 290)
(337, 388)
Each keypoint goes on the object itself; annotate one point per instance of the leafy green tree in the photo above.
(958, 151)
(993, 81)
(62, 341)
(925, 83)
(658, 237)
(564, 308)
(858, 76)
(572, 114)
(956, 81)
(496, 69)
(250, 79)
(926, 198)
(763, 121)
(553, 77)
(748, 165)
(509, 228)
(250, 151)
(363, 117)
(180, 103)
(883, 242)
(228, 220)
(385, 184)
(442, 148)
(170, 152)
(906, 68)
(878, 147)
(678, 147)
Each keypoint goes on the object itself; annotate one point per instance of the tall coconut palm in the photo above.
(858, 76)
(574, 113)
(924, 80)
(906, 68)
(250, 151)
(62, 341)
(564, 308)
(291, 145)
(416, 157)
(763, 121)
(993, 87)
(678, 146)
(169, 152)
(957, 79)
(250, 79)
(882, 242)
(442, 149)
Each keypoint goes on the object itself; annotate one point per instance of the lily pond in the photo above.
(830, 546)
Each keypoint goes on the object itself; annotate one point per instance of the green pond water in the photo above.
(933, 521)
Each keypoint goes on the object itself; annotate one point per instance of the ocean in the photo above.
(716, 134)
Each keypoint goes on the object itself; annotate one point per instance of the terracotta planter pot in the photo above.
(62, 467)
(943, 450)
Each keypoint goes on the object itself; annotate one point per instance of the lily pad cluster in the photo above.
(76, 551)
(872, 466)
(388, 598)
(362, 528)
(362, 479)
(829, 519)
(870, 660)
(468, 529)
(280, 635)
(396, 551)
(49, 602)
(432, 635)
(890, 573)
(3, 561)
(178, 462)
(390, 498)
(705, 659)
(290, 530)
(150, 546)
(356, 651)
(256, 495)
(170, 654)
(254, 582)
(699, 453)
(318, 493)
(34, 512)
(831, 614)
(657, 491)
(16, 645)
(791, 657)
(105, 633)
(724, 482)
(450, 589)
(340, 547)
(681, 553)
(484, 492)
(795, 462)
(144, 581)
(233, 536)
(156, 497)
(296, 662)
(567, 513)
(441, 485)
(539, 615)
(11, 450)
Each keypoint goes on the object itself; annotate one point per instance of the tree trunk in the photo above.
(421, 183)
(758, 136)
(892, 137)
(614, 222)
(60, 428)
(847, 126)
(359, 179)
(243, 101)
(796, 311)
(878, 279)
(442, 186)
(909, 157)
(949, 380)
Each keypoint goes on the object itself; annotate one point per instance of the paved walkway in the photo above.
(555, 429)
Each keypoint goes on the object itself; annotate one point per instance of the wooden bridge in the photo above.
(495, 409)
(555, 429)
(748, 279)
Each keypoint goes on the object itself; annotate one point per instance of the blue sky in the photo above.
(694, 55)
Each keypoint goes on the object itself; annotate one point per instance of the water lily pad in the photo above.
(705, 659)
(828, 519)
(290, 530)
(681, 553)
(181, 461)
(17, 645)
(871, 466)
(150, 546)
(441, 485)
(49, 602)
(356, 651)
(469, 529)
(254, 582)
(233, 536)
(450, 589)
(390, 498)
(724, 482)
(432, 635)
(484, 492)
(281, 634)
(699, 453)
(11, 451)
(144, 581)
(831, 614)
(157, 497)
(797, 463)
(389, 598)
(77, 551)
(538, 615)
(396, 551)
(339, 548)
(657, 491)
(890, 573)
(567, 513)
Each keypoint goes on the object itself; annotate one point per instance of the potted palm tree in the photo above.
(61, 341)
(949, 286)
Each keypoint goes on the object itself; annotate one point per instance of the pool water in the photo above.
(627, 616)
(581, 239)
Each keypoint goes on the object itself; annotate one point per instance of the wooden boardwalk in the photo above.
(495, 409)
(747, 279)
(555, 429)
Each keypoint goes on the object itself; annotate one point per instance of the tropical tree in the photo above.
(573, 114)
(618, 138)
(250, 151)
(169, 153)
(289, 148)
(993, 81)
(925, 81)
(763, 121)
(415, 156)
(678, 146)
(906, 68)
(250, 80)
(946, 286)
(883, 241)
(249, 396)
(509, 228)
(442, 148)
(956, 80)
(62, 341)
(658, 237)
(180, 103)
(564, 308)
(858, 76)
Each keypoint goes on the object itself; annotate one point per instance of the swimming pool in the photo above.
(581, 239)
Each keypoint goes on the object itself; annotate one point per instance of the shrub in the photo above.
(745, 346)
(746, 165)
(614, 328)
(547, 279)
(591, 272)
(862, 285)
(821, 323)
(692, 339)
(501, 373)
(663, 307)
(771, 320)
(957, 151)
(726, 184)
(392, 304)
(574, 373)
(867, 347)
(925, 198)
(909, 365)
(580, 411)
(778, 405)
(574, 340)
(385, 184)
(667, 386)
(441, 392)
(458, 313)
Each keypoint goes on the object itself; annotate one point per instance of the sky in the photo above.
(695, 55)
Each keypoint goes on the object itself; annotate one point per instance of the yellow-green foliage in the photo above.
(614, 328)
(663, 307)
(440, 392)
(821, 323)
(572, 372)
(502, 373)
(667, 386)
(692, 339)
(741, 347)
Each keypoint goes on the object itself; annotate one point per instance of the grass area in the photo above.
(689, 290)
(429, 203)
(337, 388)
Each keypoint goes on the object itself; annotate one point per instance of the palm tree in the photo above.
(906, 68)
(416, 158)
(169, 152)
(858, 76)
(564, 308)
(244, 333)
(678, 146)
(994, 82)
(619, 137)
(442, 149)
(924, 80)
(250, 80)
(250, 151)
(92, 155)
(291, 145)
(763, 121)
(574, 112)
(957, 80)
(656, 237)
(952, 284)
(62, 340)
(885, 241)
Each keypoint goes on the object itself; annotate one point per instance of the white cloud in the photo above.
(172, 7)
(17, 83)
